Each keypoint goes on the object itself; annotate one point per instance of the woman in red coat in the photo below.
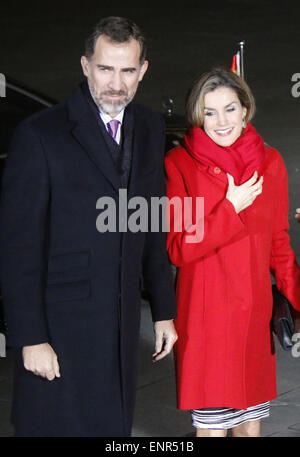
(225, 357)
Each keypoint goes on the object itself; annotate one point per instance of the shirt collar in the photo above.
(107, 118)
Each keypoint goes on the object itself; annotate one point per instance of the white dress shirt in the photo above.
(107, 118)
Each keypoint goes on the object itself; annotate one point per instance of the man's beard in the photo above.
(113, 106)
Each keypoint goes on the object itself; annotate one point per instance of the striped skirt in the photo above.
(225, 418)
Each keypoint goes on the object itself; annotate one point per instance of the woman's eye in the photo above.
(209, 113)
(229, 110)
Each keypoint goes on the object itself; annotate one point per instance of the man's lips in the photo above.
(115, 95)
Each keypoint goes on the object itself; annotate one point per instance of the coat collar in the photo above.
(247, 153)
(86, 131)
(219, 174)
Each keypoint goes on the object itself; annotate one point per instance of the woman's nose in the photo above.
(222, 119)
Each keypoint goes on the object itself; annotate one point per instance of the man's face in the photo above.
(114, 72)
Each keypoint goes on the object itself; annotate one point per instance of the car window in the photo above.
(13, 109)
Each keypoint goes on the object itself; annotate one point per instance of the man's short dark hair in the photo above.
(119, 30)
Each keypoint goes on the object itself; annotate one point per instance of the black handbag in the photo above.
(282, 322)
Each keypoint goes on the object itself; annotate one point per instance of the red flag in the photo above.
(236, 64)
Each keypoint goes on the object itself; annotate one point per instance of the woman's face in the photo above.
(223, 116)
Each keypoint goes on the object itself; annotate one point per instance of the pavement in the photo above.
(156, 414)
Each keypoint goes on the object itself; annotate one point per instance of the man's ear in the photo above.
(143, 69)
(85, 65)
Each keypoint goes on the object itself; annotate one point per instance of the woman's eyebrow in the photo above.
(213, 109)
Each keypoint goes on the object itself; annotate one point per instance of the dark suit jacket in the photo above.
(65, 283)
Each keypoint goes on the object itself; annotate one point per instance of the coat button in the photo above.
(217, 170)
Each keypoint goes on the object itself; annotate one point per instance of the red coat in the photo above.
(225, 351)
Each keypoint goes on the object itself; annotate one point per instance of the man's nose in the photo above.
(116, 81)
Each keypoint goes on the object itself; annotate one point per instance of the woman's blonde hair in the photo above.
(210, 81)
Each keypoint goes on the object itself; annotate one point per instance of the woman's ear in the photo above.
(244, 114)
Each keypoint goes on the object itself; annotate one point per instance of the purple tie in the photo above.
(112, 127)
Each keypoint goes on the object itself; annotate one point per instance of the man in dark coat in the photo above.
(71, 289)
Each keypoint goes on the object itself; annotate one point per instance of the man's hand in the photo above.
(297, 215)
(41, 360)
(165, 337)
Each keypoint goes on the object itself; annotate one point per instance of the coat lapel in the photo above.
(88, 133)
(140, 160)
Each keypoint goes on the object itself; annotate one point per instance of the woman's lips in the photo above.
(224, 132)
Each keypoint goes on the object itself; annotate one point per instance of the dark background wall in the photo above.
(41, 44)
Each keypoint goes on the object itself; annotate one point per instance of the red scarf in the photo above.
(246, 153)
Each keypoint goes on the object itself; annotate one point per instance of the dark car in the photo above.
(20, 102)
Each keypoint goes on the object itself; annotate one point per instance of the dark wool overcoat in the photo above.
(64, 282)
